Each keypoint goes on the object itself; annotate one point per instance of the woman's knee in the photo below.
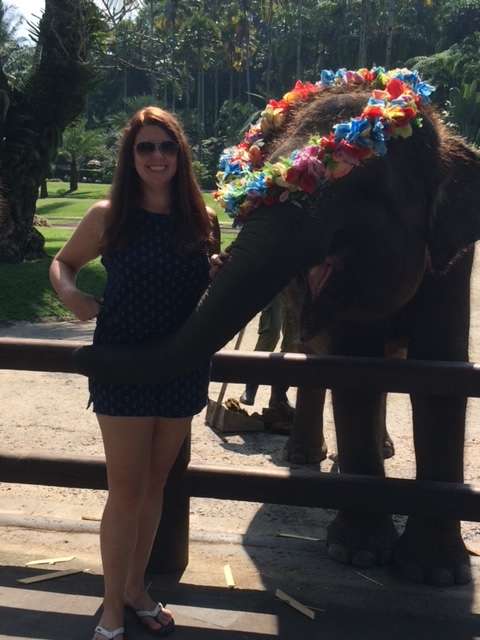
(127, 491)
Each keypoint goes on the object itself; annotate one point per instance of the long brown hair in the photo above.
(192, 224)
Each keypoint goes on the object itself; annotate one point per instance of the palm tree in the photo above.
(80, 143)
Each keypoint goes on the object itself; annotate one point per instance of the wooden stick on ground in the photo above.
(281, 595)
(51, 575)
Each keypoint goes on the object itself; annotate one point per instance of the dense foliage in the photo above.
(215, 64)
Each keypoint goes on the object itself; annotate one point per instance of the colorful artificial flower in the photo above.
(246, 181)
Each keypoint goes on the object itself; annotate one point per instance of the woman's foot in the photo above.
(110, 625)
(102, 633)
(151, 614)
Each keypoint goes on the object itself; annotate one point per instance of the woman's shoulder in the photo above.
(99, 213)
(100, 208)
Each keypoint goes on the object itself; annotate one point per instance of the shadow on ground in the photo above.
(364, 610)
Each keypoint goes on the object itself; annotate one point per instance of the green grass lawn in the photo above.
(62, 205)
(25, 291)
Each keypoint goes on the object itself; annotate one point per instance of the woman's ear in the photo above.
(456, 220)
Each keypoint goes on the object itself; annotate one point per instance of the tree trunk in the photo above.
(216, 100)
(299, 38)
(390, 25)
(362, 46)
(269, 46)
(44, 189)
(32, 120)
(73, 174)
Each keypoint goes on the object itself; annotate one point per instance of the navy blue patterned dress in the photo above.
(151, 290)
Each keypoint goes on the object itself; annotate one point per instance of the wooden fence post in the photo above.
(170, 549)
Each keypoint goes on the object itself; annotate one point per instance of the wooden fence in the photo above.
(302, 487)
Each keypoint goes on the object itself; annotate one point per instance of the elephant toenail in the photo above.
(363, 559)
(339, 553)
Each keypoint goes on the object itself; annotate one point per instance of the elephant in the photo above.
(381, 254)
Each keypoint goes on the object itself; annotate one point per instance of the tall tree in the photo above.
(363, 40)
(80, 143)
(32, 118)
(390, 27)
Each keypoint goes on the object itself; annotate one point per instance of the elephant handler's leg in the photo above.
(359, 537)
(306, 444)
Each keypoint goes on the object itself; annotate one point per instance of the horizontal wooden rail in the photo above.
(401, 376)
(301, 488)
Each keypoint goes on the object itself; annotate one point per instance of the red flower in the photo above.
(358, 153)
(278, 104)
(395, 87)
(328, 142)
(307, 183)
(372, 111)
(293, 175)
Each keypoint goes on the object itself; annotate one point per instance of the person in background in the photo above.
(275, 320)
(154, 236)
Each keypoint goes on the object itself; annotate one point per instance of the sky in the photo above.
(27, 8)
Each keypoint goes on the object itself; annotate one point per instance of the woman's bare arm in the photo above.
(83, 247)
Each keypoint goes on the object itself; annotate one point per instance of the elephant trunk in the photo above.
(271, 248)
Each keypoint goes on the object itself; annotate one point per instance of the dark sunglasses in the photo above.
(167, 147)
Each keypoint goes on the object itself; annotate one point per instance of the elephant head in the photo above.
(361, 244)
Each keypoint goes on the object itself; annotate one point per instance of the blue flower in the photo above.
(376, 102)
(342, 130)
(225, 159)
(401, 101)
(341, 74)
(424, 90)
(377, 137)
(410, 77)
(256, 187)
(327, 77)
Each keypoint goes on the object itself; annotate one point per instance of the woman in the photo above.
(153, 235)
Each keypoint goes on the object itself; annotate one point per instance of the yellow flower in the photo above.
(403, 132)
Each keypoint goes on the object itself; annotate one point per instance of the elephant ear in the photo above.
(456, 221)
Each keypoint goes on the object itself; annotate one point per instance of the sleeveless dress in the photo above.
(151, 290)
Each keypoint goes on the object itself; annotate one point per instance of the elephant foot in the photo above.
(301, 453)
(363, 540)
(432, 553)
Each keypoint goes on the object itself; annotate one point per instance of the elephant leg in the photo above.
(359, 537)
(306, 444)
(432, 550)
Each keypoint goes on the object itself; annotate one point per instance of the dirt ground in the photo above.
(47, 412)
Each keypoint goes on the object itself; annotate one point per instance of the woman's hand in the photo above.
(217, 261)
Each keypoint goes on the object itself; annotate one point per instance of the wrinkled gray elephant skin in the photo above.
(383, 254)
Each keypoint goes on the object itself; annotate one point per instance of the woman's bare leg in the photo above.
(168, 437)
(127, 443)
